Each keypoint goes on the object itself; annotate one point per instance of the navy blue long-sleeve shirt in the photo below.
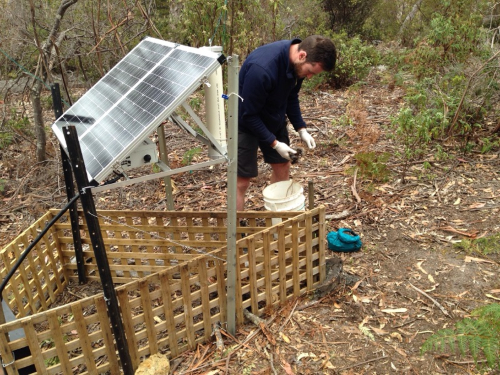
(269, 88)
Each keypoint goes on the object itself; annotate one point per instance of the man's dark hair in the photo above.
(319, 50)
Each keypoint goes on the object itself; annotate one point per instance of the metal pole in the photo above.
(94, 228)
(310, 189)
(164, 158)
(70, 191)
(233, 83)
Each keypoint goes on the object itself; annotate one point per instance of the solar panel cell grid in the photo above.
(129, 102)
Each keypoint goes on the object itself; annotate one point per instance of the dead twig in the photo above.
(307, 305)
(289, 316)
(360, 363)
(253, 318)
(353, 187)
(445, 312)
(341, 215)
(271, 364)
(262, 324)
(219, 343)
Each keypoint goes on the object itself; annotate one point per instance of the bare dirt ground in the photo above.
(408, 281)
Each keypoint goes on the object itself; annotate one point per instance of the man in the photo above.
(269, 84)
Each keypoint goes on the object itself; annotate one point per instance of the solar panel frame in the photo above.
(125, 106)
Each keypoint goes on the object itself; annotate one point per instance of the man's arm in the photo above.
(257, 85)
(293, 111)
(295, 116)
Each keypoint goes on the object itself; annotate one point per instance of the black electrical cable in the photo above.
(33, 243)
(114, 179)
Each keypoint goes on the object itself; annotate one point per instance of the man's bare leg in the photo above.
(242, 184)
(281, 172)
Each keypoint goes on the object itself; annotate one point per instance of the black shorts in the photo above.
(247, 152)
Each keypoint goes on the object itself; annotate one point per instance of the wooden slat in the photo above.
(267, 267)
(85, 343)
(221, 288)
(148, 316)
(129, 255)
(54, 282)
(41, 263)
(148, 236)
(238, 292)
(176, 236)
(309, 260)
(188, 309)
(58, 338)
(252, 274)
(321, 244)
(192, 229)
(295, 257)
(220, 228)
(6, 354)
(118, 247)
(107, 335)
(163, 234)
(282, 263)
(34, 346)
(205, 298)
(128, 326)
(35, 280)
(23, 275)
(11, 289)
(166, 295)
(133, 244)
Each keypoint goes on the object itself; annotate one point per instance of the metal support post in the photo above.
(233, 83)
(87, 201)
(70, 191)
(164, 158)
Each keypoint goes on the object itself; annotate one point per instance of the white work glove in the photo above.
(307, 138)
(284, 150)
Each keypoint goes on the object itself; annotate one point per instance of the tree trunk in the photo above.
(39, 125)
(410, 17)
(45, 52)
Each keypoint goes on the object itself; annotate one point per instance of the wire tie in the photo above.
(224, 96)
(8, 364)
(84, 190)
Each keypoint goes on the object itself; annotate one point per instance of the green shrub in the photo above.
(15, 124)
(483, 246)
(479, 336)
(372, 165)
(190, 154)
(355, 58)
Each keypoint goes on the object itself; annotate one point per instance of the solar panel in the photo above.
(132, 99)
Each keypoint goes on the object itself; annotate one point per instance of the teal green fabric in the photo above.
(344, 240)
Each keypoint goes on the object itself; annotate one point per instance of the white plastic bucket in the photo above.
(284, 196)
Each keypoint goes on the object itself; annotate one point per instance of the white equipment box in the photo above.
(145, 153)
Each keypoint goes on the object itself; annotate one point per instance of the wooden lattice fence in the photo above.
(170, 274)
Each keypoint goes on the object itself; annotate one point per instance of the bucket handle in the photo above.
(290, 187)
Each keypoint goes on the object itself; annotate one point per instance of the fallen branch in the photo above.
(341, 215)
(432, 299)
(353, 187)
(260, 323)
(360, 363)
(219, 343)
(289, 316)
(272, 364)
(253, 318)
